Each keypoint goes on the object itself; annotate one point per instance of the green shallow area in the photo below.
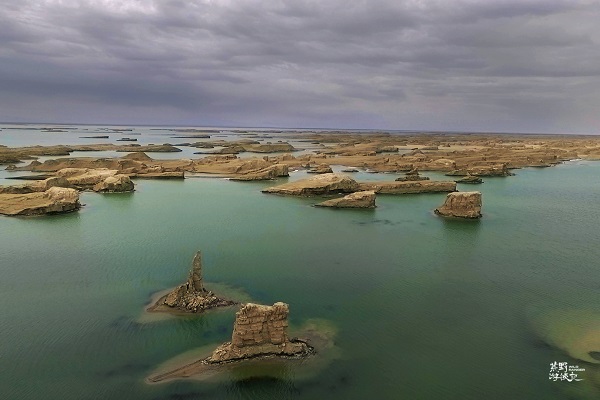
(424, 307)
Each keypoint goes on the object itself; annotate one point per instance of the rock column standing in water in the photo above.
(259, 331)
(192, 296)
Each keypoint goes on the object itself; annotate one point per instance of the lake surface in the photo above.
(424, 308)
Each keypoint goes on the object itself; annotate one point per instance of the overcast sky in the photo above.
(491, 65)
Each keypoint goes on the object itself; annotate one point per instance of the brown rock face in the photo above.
(267, 173)
(85, 178)
(461, 205)
(161, 175)
(412, 175)
(259, 331)
(318, 185)
(470, 179)
(192, 296)
(486, 170)
(114, 184)
(269, 148)
(320, 169)
(138, 156)
(409, 187)
(365, 199)
(55, 200)
(36, 186)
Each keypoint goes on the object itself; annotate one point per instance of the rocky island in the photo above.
(192, 296)
(55, 200)
(328, 184)
(259, 331)
(461, 205)
(365, 199)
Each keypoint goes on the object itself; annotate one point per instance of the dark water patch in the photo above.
(263, 388)
(120, 322)
(185, 396)
(218, 331)
(537, 343)
(330, 307)
(126, 369)
(376, 221)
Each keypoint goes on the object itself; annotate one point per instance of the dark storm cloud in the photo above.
(474, 65)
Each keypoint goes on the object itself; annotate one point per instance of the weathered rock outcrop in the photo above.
(269, 147)
(364, 199)
(318, 185)
(272, 172)
(470, 179)
(160, 175)
(461, 205)
(191, 296)
(409, 187)
(485, 170)
(260, 331)
(114, 184)
(35, 186)
(55, 200)
(137, 156)
(412, 175)
(320, 169)
(85, 178)
(152, 148)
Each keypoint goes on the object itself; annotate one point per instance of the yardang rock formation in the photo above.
(55, 200)
(364, 199)
(260, 331)
(191, 296)
(461, 205)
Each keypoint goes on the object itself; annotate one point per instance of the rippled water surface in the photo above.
(424, 308)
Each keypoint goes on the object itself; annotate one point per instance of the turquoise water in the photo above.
(425, 308)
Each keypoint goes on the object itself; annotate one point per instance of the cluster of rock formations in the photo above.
(191, 296)
(134, 165)
(461, 205)
(329, 184)
(243, 145)
(260, 330)
(44, 197)
(469, 156)
(361, 194)
(323, 184)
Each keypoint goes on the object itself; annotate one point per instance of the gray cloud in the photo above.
(512, 65)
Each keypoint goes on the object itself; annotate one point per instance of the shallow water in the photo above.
(424, 308)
